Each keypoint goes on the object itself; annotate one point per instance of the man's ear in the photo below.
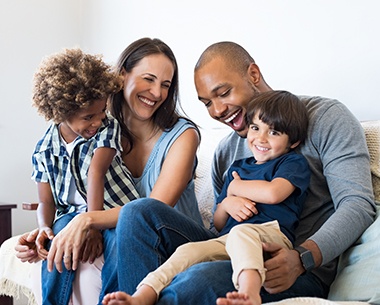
(294, 145)
(254, 74)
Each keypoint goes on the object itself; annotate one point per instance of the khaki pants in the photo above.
(243, 245)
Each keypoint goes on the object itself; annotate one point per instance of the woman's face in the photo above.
(146, 87)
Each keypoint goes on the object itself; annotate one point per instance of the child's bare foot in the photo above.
(117, 298)
(145, 295)
(237, 298)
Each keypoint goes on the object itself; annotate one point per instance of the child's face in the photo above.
(265, 142)
(85, 123)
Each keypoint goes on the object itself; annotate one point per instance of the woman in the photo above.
(159, 149)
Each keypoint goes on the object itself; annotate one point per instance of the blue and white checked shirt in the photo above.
(52, 164)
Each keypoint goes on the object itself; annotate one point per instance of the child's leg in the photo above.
(244, 245)
(184, 257)
(57, 287)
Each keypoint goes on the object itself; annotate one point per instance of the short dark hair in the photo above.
(233, 54)
(283, 111)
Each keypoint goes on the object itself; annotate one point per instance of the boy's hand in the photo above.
(26, 247)
(233, 183)
(45, 233)
(92, 247)
(239, 208)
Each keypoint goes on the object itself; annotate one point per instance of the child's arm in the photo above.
(45, 217)
(239, 208)
(100, 163)
(267, 192)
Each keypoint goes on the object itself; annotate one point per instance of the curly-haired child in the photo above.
(77, 164)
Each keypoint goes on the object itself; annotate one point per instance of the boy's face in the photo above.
(225, 93)
(265, 142)
(84, 123)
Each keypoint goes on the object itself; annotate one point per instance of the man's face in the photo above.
(225, 94)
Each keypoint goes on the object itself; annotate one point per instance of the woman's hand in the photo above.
(67, 244)
(26, 247)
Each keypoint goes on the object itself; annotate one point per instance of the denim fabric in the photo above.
(57, 287)
(109, 270)
(148, 232)
(205, 282)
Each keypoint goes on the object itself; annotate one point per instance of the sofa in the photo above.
(358, 278)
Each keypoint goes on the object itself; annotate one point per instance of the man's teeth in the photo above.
(232, 117)
(146, 101)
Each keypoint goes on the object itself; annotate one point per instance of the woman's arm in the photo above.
(178, 168)
(69, 241)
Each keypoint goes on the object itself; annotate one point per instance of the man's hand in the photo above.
(283, 268)
(26, 247)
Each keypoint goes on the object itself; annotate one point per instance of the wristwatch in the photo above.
(306, 257)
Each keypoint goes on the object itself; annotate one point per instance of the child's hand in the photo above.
(44, 234)
(239, 208)
(233, 183)
(26, 247)
(92, 247)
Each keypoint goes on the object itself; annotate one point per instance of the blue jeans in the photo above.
(57, 287)
(148, 232)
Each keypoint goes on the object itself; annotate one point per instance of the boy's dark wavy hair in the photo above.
(281, 110)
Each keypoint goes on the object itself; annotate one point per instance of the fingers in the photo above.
(271, 247)
(32, 236)
(235, 175)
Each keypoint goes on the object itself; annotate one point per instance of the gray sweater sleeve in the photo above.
(337, 153)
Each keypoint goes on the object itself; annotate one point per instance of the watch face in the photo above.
(307, 260)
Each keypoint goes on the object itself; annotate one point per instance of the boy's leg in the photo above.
(244, 245)
(185, 256)
(57, 287)
(147, 233)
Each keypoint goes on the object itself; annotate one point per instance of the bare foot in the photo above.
(237, 298)
(117, 298)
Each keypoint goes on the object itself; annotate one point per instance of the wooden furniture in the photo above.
(5, 233)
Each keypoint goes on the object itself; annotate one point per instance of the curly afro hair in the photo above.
(69, 81)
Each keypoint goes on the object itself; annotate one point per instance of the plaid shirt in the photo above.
(52, 164)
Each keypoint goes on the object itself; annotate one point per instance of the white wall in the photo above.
(327, 48)
(29, 30)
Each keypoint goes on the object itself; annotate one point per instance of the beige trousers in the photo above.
(243, 246)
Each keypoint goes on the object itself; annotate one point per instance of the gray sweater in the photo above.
(340, 203)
